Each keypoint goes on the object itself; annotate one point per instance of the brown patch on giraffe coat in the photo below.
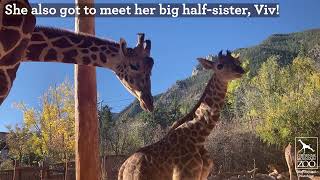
(173, 138)
(9, 38)
(86, 60)
(4, 83)
(94, 57)
(198, 125)
(9, 20)
(103, 57)
(14, 56)
(191, 148)
(209, 101)
(209, 91)
(184, 159)
(183, 150)
(99, 42)
(216, 106)
(37, 37)
(217, 87)
(200, 139)
(186, 130)
(51, 55)
(204, 133)
(94, 49)
(103, 48)
(113, 49)
(34, 51)
(194, 133)
(29, 24)
(86, 51)
(75, 39)
(62, 43)
(216, 117)
(86, 43)
(217, 99)
(211, 126)
(69, 56)
(51, 34)
(221, 94)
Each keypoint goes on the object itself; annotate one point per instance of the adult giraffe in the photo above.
(21, 41)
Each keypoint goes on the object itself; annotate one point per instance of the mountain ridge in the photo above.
(188, 91)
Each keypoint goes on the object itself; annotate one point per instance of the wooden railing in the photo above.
(30, 173)
(57, 171)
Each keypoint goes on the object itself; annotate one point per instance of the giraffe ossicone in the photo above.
(181, 155)
(21, 41)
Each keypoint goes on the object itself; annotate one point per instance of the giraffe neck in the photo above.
(55, 45)
(205, 116)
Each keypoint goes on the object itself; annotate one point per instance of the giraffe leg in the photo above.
(190, 174)
(190, 170)
(15, 34)
(207, 164)
(206, 168)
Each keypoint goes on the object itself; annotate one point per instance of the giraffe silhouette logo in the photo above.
(306, 152)
(305, 146)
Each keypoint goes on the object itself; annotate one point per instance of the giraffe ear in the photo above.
(123, 47)
(206, 63)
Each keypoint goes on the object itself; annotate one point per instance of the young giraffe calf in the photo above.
(181, 154)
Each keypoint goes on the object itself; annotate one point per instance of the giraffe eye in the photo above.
(133, 67)
(220, 66)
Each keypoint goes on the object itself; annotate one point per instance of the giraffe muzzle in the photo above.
(146, 102)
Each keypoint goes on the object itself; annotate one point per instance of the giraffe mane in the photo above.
(66, 31)
(186, 117)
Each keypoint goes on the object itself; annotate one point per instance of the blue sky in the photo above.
(176, 42)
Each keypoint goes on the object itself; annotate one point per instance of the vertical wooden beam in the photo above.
(87, 134)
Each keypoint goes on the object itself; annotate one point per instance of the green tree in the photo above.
(285, 100)
(51, 125)
(18, 142)
(105, 124)
(163, 115)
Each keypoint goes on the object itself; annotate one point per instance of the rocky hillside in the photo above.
(286, 46)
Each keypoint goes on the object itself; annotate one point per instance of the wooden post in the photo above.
(86, 126)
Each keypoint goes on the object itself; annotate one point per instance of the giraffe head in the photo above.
(226, 67)
(135, 70)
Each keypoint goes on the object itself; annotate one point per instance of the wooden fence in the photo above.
(31, 173)
(57, 172)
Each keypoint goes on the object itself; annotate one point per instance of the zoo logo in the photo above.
(306, 152)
